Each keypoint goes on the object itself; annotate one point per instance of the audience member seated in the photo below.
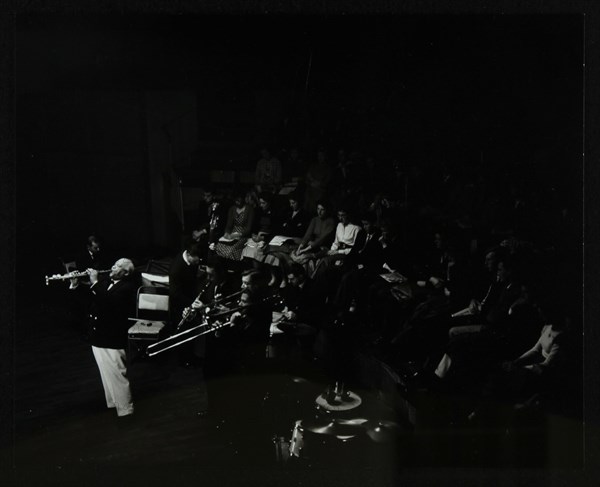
(294, 226)
(472, 348)
(295, 220)
(360, 268)
(538, 372)
(318, 236)
(240, 219)
(495, 306)
(429, 322)
(348, 237)
(266, 223)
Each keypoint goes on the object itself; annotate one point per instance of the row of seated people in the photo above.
(436, 304)
(485, 339)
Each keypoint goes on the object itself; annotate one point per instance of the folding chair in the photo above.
(152, 313)
(156, 273)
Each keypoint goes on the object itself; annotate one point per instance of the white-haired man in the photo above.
(113, 302)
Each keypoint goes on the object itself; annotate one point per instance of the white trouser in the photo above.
(113, 371)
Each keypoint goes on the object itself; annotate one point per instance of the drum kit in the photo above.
(336, 432)
(341, 440)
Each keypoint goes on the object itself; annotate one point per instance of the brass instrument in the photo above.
(223, 299)
(180, 338)
(192, 313)
(203, 328)
(72, 275)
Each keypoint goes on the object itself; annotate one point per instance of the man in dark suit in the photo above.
(93, 257)
(303, 304)
(212, 215)
(183, 290)
(113, 302)
(183, 283)
(295, 220)
(361, 265)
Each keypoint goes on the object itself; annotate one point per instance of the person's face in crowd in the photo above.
(294, 205)
(503, 272)
(438, 241)
(239, 201)
(294, 280)
(368, 226)
(211, 274)
(244, 299)
(118, 270)
(321, 212)
(94, 247)
(343, 217)
(264, 204)
(490, 262)
(248, 284)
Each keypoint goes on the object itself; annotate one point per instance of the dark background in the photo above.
(100, 98)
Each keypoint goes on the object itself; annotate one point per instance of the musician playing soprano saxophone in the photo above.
(113, 302)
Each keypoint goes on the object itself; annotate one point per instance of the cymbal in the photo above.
(337, 427)
(298, 329)
(382, 431)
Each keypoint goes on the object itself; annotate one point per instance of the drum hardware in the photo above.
(383, 431)
(338, 398)
(321, 441)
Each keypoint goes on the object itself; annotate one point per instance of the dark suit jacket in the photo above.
(496, 312)
(110, 311)
(215, 215)
(306, 302)
(183, 288)
(85, 261)
(294, 226)
(394, 255)
(367, 253)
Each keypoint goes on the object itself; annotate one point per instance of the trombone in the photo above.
(193, 312)
(203, 328)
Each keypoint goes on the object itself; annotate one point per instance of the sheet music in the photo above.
(394, 277)
(279, 240)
